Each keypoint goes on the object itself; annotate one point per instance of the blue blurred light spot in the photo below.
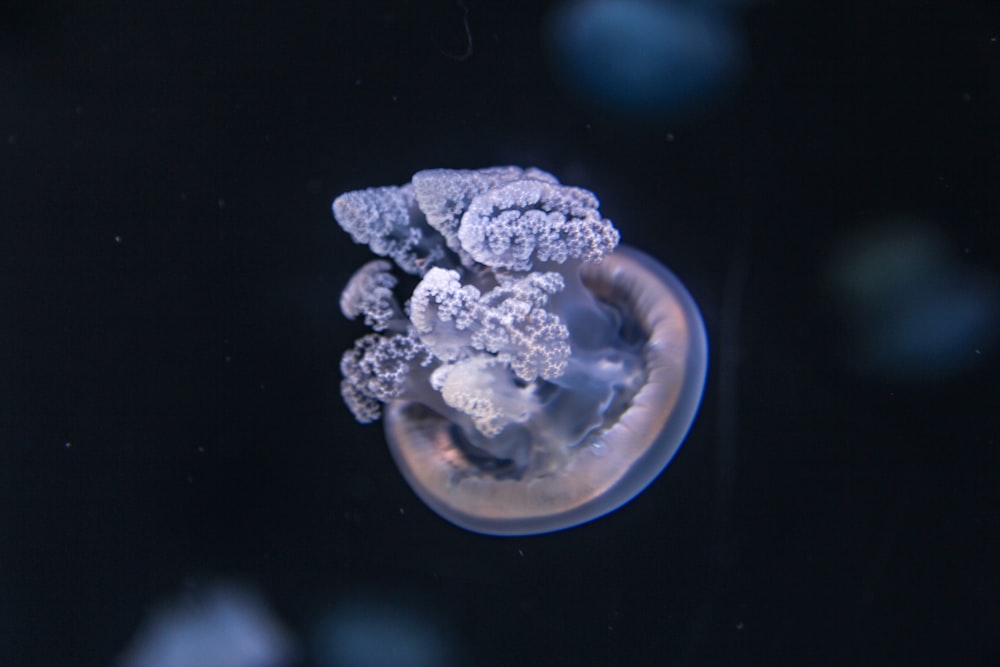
(378, 631)
(640, 56)
(917, 314)
(223, 625)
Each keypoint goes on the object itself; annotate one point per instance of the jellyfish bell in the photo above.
(598, 472)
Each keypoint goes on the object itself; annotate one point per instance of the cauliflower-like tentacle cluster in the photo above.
(369, 293)
(509, 321)
(512, 226)
(445, 194)
(483, 326)
(378, 370)
(480, 387)
(389, 221)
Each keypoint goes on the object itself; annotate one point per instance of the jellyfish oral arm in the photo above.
(537, 377)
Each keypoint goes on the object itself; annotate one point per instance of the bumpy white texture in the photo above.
(480, 387)
(509, 321)
(442, 310)
(445, 194)
(369, 293)
(389, 221)
(376, 370)
(515, 325)
(514, 225)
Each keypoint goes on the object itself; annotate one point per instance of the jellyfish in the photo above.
(540, 375)
(643, 58)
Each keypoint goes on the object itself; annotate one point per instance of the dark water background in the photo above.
(169, 331)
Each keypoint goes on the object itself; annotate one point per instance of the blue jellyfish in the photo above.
(539, 375)
(642, 57)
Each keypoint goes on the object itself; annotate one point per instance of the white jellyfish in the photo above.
(539, 376)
